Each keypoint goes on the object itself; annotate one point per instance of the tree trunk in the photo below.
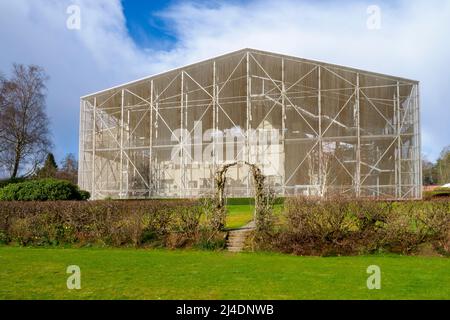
(16, 163)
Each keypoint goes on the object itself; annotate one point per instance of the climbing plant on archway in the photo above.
(264, 199)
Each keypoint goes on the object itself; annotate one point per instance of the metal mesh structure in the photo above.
(313, 128)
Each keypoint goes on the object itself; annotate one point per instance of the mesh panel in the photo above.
(313, 129)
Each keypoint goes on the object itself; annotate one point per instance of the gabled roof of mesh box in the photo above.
(350, 69)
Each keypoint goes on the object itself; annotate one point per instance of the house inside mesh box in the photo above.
(312, 128)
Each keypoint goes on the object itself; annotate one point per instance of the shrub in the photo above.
(42, 190)
(4, 183)
(321, 228)
(84, 195)
(211, 240)
(343, 227)
(4, 239)
(435, 220)
(115, 223)
(189, 221)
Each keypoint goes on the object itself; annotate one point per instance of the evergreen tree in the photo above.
(50, 168)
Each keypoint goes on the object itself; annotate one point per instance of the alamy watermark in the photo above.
(74, 280)
(230, 144)
(374, 280)
(374, 20)
(73, 21)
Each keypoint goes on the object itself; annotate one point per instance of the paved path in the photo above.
(236, 238)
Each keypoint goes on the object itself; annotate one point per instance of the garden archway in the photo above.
(263, 197)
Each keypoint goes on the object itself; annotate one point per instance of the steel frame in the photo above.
(342, 130)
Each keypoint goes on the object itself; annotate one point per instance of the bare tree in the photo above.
(69, 169)
(320, 171)
(24, 125)
(443, 166)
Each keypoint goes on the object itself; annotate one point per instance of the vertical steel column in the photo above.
(395, 116)
(94, 118)
(214, 128)
(181, 136)
(283, 126)
(150, 169)
(416, 181)
(319, 102)
(399, 144)
(186, 144)
(247, 144)
(127, 153)
(80, 175)
(358, 143)
(121, 145)
(419, 140)
(156, 164)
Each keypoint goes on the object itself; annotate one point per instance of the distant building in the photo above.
(313, 128)
(429, 188)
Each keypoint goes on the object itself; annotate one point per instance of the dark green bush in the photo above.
(4, 183)
(3, 238)
(42, 190)
(84, 195)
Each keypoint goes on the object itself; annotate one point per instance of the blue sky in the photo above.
(146, 28)
(123, 40)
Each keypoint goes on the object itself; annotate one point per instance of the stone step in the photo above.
(241, 230)
(235, 244)
(236, 238)
(238, 243)
(238, 235)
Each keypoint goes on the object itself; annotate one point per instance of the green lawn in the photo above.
(38, 273)
(240, 214)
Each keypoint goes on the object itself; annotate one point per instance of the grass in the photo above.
(241, 214)
(40, 273)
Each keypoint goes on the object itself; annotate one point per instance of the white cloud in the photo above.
(99, 55)
(413, 42)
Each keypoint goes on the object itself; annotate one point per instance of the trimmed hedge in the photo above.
(42, 190)
(159, 223)
(348, 227)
